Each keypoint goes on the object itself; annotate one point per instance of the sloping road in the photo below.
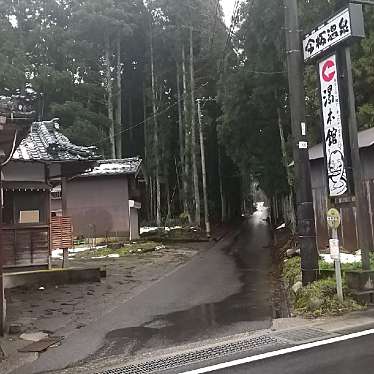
(222, 291)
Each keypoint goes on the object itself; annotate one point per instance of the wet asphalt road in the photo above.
(353, 356)
(222, 291)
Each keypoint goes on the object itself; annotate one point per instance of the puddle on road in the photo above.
(248, 310)
(200, 322)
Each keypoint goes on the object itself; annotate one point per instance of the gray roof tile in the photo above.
(46, 143)
(124, 166)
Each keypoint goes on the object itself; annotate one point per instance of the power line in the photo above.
(267, 72)
(214, 27)
(234, 19)
(157, 114)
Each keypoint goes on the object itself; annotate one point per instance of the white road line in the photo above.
(280, 352)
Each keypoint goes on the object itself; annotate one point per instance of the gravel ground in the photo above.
(60, 310)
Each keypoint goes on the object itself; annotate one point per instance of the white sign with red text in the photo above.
(334, 31)
(332, 123)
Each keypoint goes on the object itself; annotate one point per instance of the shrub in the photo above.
(291, 271)
(320, 299)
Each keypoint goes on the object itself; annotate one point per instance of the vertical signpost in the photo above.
(333, 129)
(333, 221)
(328, 46)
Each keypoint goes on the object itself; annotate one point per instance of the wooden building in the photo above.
(347, 233)
(16, 116)
(100, 201)
(43, 156)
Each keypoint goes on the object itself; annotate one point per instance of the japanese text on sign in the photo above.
(324, 37)
(332, 121)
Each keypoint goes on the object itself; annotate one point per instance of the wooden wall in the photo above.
(98, 206)
(347, 232)
(26, 246)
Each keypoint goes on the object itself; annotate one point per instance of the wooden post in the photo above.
(193, 135)
(65, 256)
(2, 297)
(203, 168)
(303, 187)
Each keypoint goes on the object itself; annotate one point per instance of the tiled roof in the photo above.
(124, 166)
(46, 143)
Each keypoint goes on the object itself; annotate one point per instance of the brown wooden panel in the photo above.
(348, 229)
(26, 246)
(23, 247)
(61, 232)
(320, 207)
(370, 197)
(8, 247)
(40, 245)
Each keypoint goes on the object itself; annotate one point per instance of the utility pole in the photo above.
(203, 168)
(304, 198)
(155, 132)
(193, 133)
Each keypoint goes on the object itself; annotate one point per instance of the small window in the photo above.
(26, 207)
(56, 195)
(29, 216)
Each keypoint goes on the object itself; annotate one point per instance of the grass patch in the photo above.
(184, 234)
(291, 271)
(127, 249)
(318, 299)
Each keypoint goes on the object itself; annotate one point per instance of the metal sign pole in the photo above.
(338, 271)
(334, 221)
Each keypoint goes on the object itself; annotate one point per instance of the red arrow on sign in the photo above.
(328, 71)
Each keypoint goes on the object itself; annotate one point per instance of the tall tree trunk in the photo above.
(183, 193)
(203, 168)
(155, 135)
(221, 189)
(187, 139)
(131, 130)
(193, 135)
(151, 197)
(168, 197)
(118, 135)
(147, 178)
(109, 89)
(291, 207)
(145, 126)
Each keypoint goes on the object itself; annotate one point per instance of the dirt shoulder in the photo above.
(62, 310)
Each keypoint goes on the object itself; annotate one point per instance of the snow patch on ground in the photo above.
(148, 229)
(154, 228)
(58, 253)
(345, 258)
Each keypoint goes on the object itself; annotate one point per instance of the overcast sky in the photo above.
(228, 7)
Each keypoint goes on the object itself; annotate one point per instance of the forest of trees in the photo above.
(167, 80)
